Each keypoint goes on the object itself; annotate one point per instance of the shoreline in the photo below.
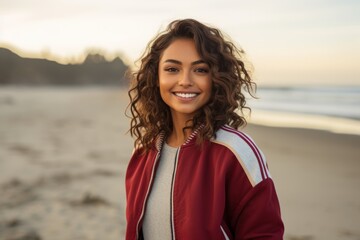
(271, 118)
(305, 121)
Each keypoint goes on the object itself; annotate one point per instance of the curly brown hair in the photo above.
(150, 115)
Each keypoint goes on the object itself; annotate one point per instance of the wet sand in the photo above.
(64, 152)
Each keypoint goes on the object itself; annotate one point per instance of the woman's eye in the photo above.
(202, 70)
(171, 69)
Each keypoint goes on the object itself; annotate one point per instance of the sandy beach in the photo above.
(64, 152)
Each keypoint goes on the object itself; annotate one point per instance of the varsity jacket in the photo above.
(221, 189)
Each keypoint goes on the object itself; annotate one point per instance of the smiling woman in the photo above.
(193, 175)
(219, 57)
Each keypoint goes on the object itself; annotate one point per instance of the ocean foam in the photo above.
(308, 121)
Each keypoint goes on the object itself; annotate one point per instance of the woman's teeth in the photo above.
(186, 95)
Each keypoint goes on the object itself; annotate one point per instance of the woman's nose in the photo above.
(185, 79)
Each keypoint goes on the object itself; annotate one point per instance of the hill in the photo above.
(95, 70)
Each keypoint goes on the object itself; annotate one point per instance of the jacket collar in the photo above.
(190, 140)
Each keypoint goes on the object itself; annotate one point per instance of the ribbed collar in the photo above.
(190, 140)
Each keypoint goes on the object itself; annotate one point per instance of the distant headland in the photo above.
(94, 70)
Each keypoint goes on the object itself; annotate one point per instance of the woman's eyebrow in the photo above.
(172, 61)
(198, 62)
(180, 63)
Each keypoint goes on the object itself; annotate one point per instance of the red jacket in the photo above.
(222, 189)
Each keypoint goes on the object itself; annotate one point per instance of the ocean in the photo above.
(325, 107)
(330, 108)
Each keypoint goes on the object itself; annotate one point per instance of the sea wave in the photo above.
(306, 121)
(331, 108)
(337, 101)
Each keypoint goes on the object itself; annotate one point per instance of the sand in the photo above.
(64, 152)
(317, 176)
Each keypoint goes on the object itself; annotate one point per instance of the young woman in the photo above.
(193, 175)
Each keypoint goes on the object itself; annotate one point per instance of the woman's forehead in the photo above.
(181, 50)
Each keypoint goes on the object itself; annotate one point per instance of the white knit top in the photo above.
(157, 222)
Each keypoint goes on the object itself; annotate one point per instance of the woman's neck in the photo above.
(179, 133)
(178, 137)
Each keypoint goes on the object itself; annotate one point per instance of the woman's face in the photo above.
(184, 79)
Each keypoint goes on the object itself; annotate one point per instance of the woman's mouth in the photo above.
(186, 95)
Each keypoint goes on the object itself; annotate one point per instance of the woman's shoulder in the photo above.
(246, 152)
(233, 137)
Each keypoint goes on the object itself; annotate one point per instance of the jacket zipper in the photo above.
(172, 195)
(147, 193)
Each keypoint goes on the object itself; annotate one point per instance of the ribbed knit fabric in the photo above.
(157, 224)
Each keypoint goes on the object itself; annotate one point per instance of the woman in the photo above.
(193, 175)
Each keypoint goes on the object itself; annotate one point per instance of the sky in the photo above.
(296, 42)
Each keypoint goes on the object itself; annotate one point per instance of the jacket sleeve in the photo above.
(257, 216)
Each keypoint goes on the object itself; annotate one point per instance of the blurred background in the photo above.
(64, 145)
